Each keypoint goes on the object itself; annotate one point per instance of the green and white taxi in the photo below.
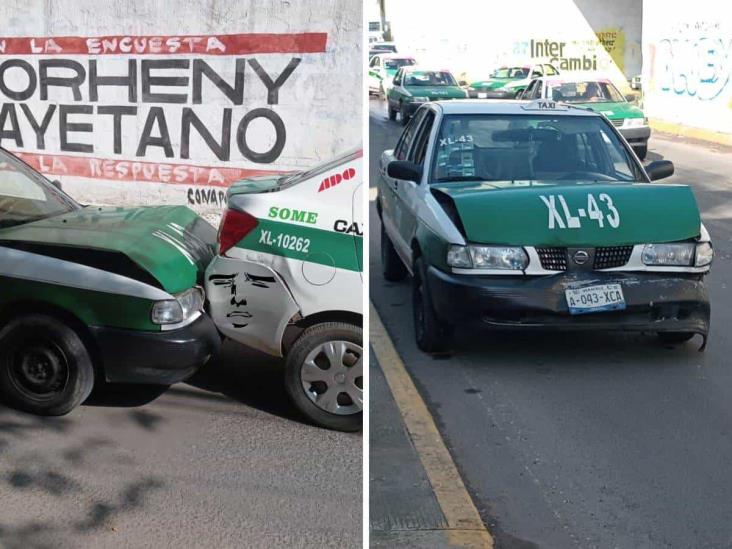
(415, 85)
(287, 280)
(509, 82)
(383, 68)
(598, 95)
(95, 293)
(510, 213)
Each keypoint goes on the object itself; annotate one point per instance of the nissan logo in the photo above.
(581, 257)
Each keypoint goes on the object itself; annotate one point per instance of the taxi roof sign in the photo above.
(544, 105)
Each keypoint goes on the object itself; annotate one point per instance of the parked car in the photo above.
(287, 280)
(381, 47)
(413, 86)
(92, 293)
(383, 68)
(510, 81)
(538, 215)
(598, 95)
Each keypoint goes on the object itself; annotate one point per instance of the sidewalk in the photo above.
(403, 509)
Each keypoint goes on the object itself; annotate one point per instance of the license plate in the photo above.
(594, 299)
(482, 95)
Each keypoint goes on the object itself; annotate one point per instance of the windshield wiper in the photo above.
(455, 178)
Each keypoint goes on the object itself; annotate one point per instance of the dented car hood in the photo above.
(171, 243)
(574, 213)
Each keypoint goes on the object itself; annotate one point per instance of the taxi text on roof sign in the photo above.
(544, 105)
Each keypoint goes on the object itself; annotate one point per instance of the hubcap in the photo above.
(39, 370)
(332, 377)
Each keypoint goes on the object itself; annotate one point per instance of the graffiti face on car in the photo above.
(239, 315)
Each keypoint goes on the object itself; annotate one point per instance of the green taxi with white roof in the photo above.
(90, 293)
(509, 82)
(538, 214)
(599, 95)
(414, 85)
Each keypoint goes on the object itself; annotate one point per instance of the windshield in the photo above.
(591, 91)
(26, 196)
(429, 78)
(511, 72)
(396, 63)
(380, 48)
(299, 177)
(474, 147)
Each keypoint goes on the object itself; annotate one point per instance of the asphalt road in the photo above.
(598, 440)
(223, 461)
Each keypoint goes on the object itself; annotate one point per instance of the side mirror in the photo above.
(631, 97)
(660, 169)
(56, 183)
(402, 169)
(462, 83)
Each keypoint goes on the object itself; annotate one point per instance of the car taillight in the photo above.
(235, 225)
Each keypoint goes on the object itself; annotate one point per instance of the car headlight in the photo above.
(475, 256)
(635, 122)
(669, 255)
(704, 254)
(183, 307)
(420, 99)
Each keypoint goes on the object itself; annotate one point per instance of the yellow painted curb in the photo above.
(465, 527)
(694, 133)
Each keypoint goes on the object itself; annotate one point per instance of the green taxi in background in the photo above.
(383, 68)
(509, 82)
(89, 293)
(598, 95)
(509, 213)
(413, 86)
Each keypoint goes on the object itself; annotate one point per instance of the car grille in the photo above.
(553, 259)
(618, 122)
(613, 256)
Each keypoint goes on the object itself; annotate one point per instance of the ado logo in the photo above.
(333, 180)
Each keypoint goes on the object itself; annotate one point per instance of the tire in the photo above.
(306, 385)
(432, 334)
(392, 112)
(392, 267)
(675, 337)
(641, 152)
(45, 368)
(403, 116)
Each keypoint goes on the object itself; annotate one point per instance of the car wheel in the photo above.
(641, 152)
(392, 267)
(392, 112)
(45, 368)
(432, 334)
(675, 337)
(403, 115)
(324, 375)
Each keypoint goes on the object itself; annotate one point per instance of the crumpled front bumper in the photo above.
(655, 302)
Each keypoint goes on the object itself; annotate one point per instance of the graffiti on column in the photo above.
(699, 66)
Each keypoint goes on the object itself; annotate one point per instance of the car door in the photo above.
(391, 203)
(358, 228)
(407, 192)
(396, 90)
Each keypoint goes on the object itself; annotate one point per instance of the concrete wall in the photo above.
(201, 99)
(471, 38)
(687, 65)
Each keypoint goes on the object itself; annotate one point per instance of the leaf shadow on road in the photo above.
(46, 497)
(248, 377)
